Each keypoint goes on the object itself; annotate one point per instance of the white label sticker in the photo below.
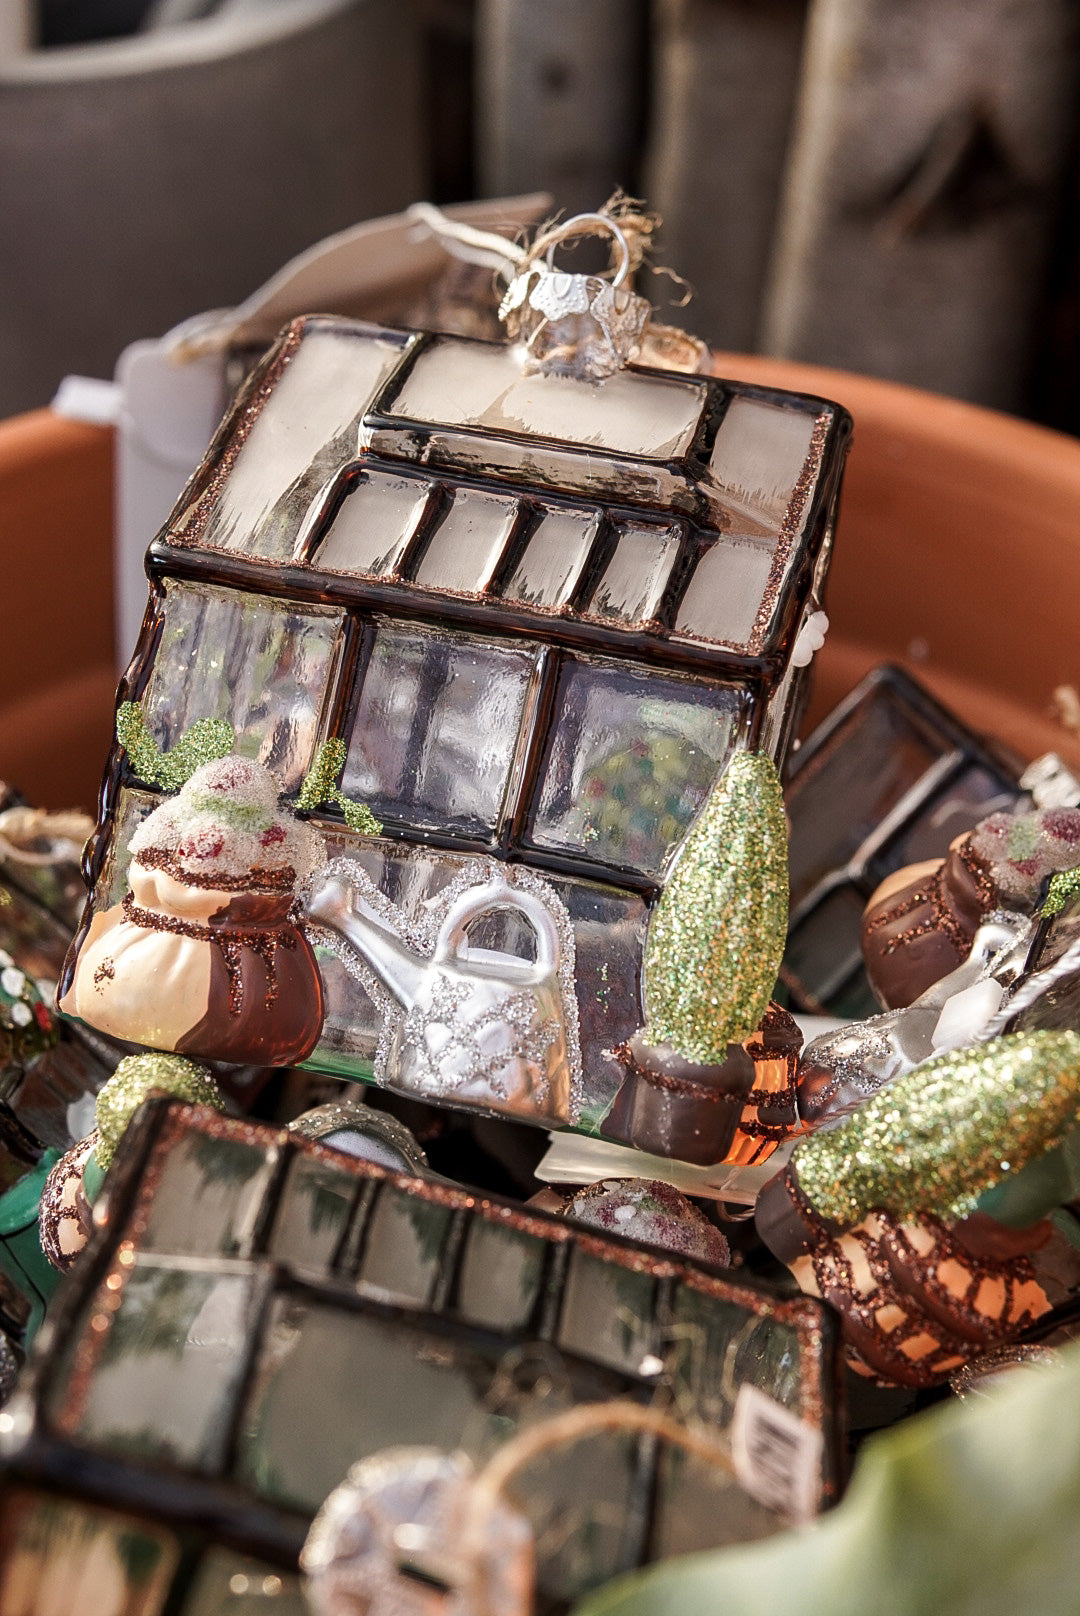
(777, 1456)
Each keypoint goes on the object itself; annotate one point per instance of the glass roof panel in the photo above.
(759, 455)
(634, 580)
(373, 525)
(725, 593)
(457, 383)
(468, 543)
(558, 548)
(304, 431)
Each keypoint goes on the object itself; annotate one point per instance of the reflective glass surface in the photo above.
(403, 1243)
(457, 383)
(468, 542)
(263, 665)
(437, 727)
(312, 1215)
(373, 525)
(556, 552)
(208, 1198)
(164, 1386)
(726, 590)
(305, 430)
(633, 582)
(607, 1313)
(501, 1270)
(632, 759)
(758, 457)
(64, 1558)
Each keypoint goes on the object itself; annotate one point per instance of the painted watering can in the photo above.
(477, 1025)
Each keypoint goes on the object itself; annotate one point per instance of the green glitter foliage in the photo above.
(717, 934)
(134, 1080)
(320, 785)
(207, 739)
(1064, 887)
(940, 1136)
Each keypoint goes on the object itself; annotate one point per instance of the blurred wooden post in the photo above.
(724, 83)
(559, 108)
(921, 189)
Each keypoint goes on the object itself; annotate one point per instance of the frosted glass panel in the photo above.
(305, 430)
(480, 384)
(437, 727)
(726, 591)
(373, 525)
(261, 664)
(633, 583)
(759, 454)
(468, 543)
(554, 557)
(632, 760)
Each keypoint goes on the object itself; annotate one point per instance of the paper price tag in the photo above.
(777, 1457)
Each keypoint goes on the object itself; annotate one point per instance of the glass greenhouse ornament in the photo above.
(888, 779)
(221, 1358)
(525, 619)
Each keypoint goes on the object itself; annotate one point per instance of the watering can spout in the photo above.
(343, 908)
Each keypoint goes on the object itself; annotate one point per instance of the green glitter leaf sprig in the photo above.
(207, 739)
(716, 937)
(321, 785)
(939, 1137)
(139, 1076)
(1064, 887)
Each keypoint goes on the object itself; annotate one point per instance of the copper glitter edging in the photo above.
(230, 939)
(260, 879)
(802, 1314)
(236, 429)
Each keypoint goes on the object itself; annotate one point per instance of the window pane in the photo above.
(607, 1313)
(758, 458)
(500, 1276)
(553, 559)
(311, 1216)
(402, 1247)
(305, 430)
(635, 578)
(379, 1384)
(437, 727)
(171, 1366)
(374, 523)
(261, 664)
(208, 1199)
(632, 760)
(480, 384)
(229, 1584)
(726, 590)
(468, 543)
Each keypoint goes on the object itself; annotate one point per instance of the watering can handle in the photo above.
(453, 935)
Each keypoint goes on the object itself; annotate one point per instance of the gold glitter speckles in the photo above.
(939, 1137)
(139, 1076)
(717, 934)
